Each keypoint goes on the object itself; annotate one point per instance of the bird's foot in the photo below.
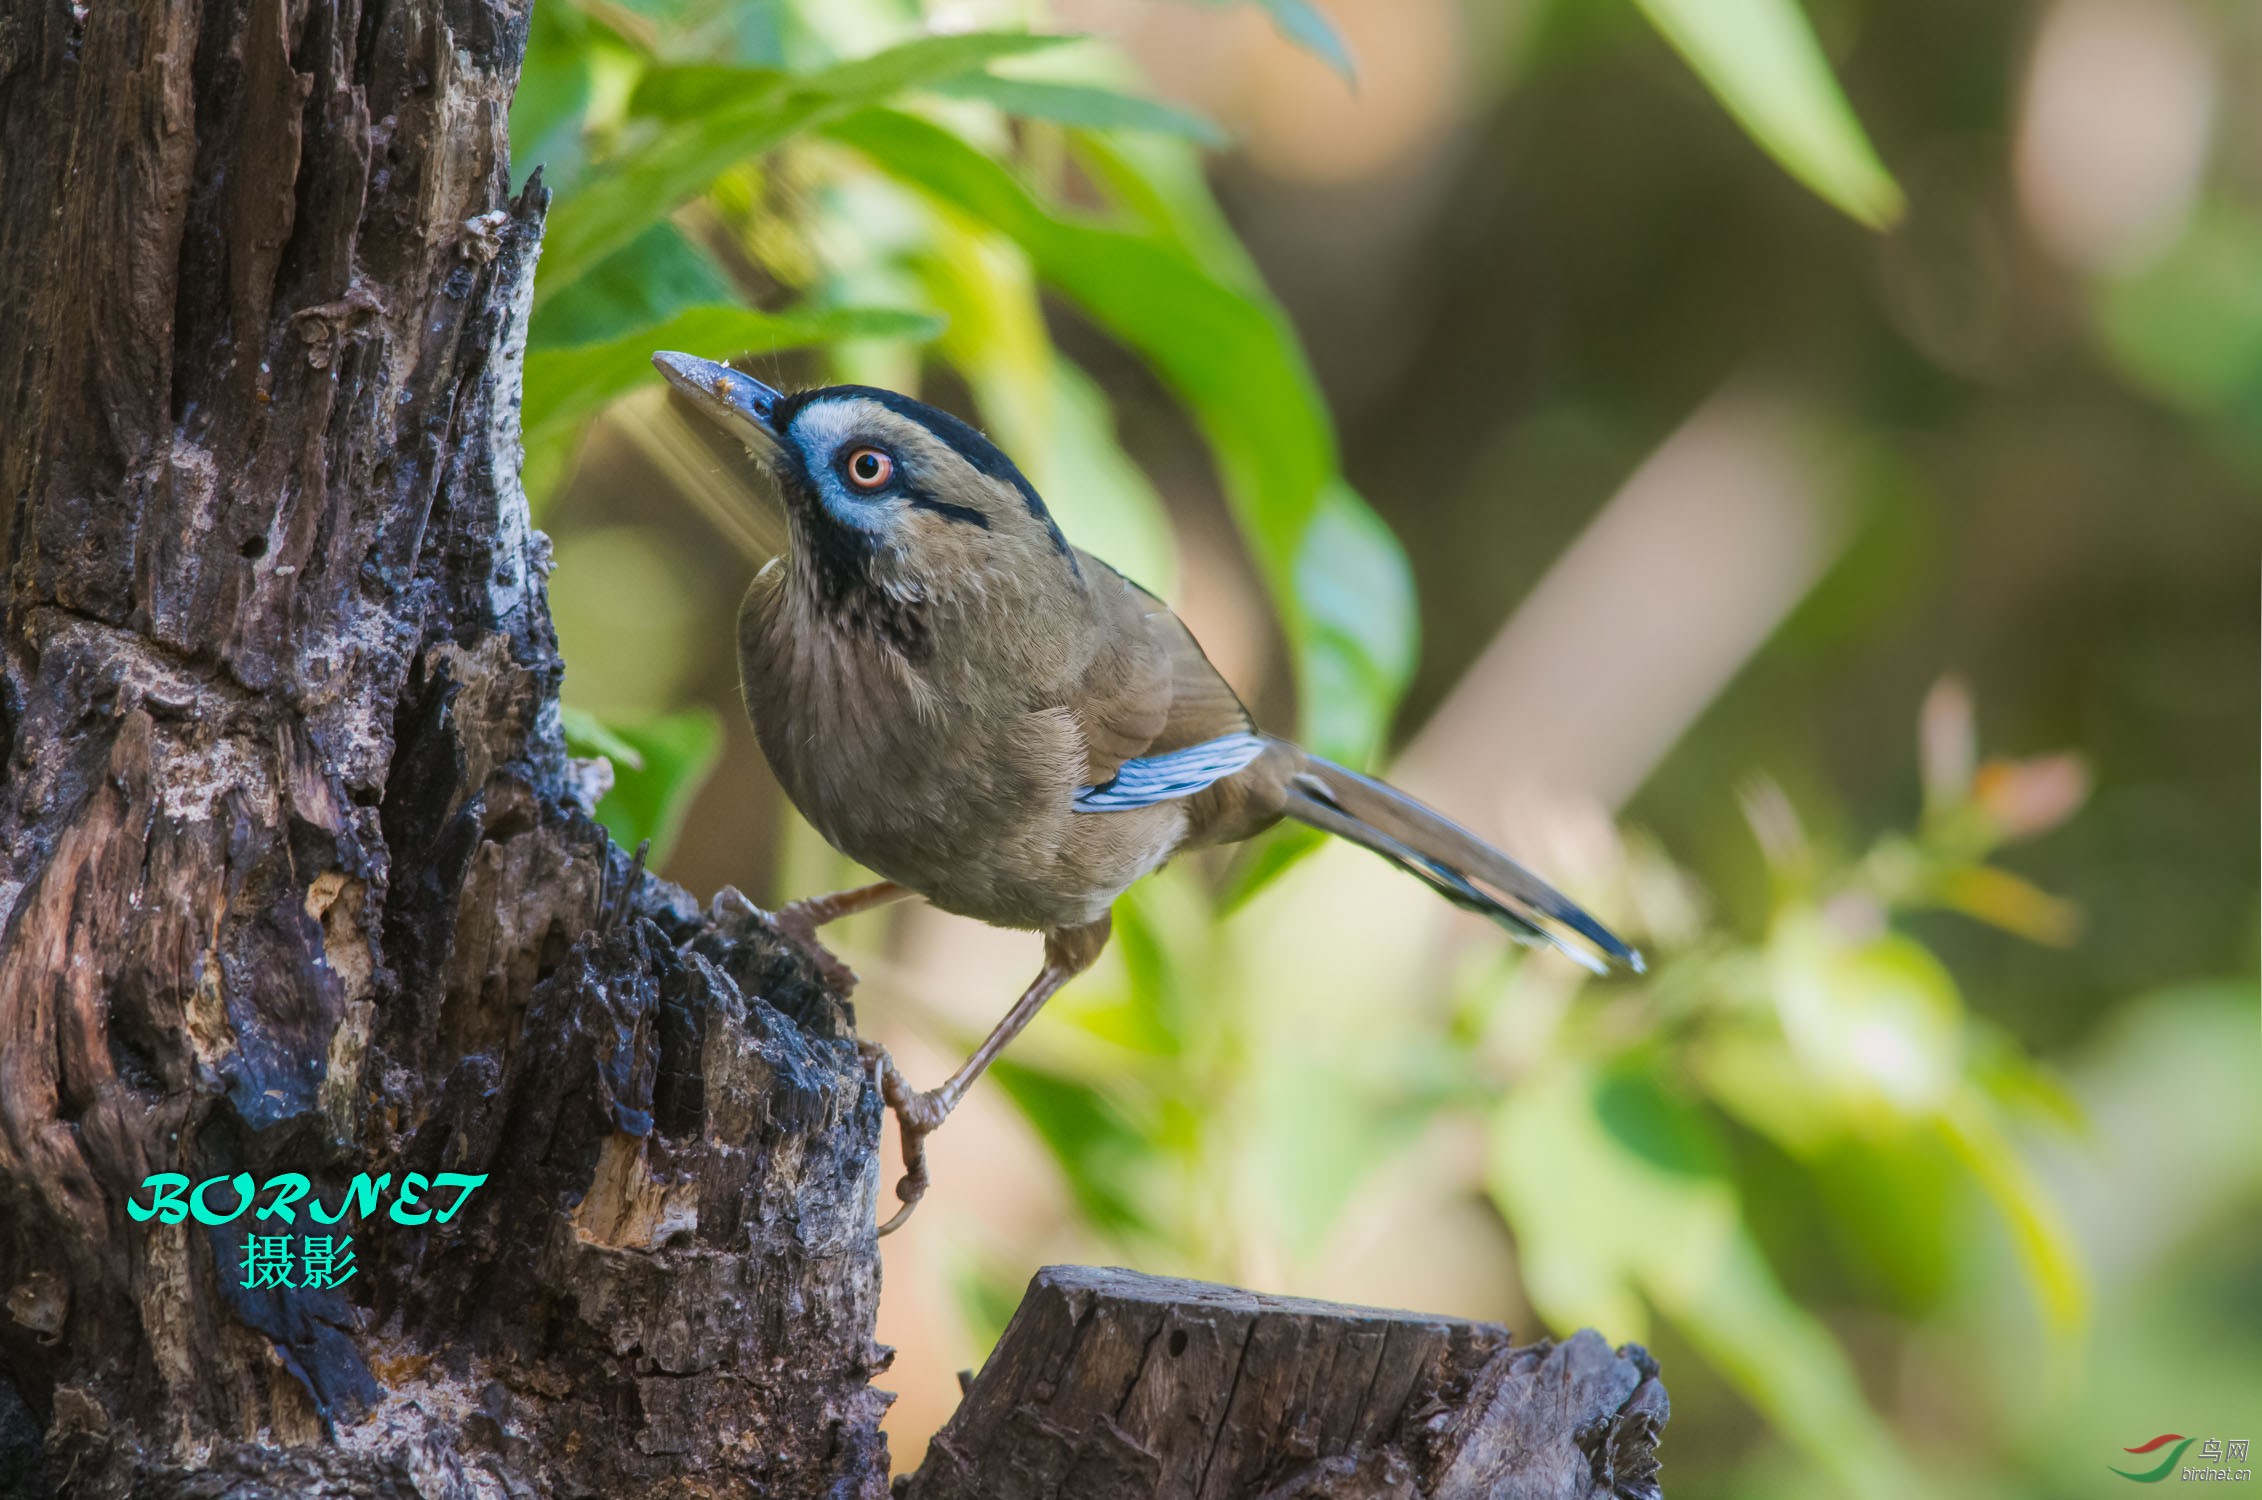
(918, 1112)
(799, 922)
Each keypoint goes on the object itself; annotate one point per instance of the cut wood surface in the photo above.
(1111, 1385)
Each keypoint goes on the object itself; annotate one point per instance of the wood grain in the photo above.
(1111, 1385)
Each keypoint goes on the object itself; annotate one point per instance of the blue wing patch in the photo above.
(1162, 778)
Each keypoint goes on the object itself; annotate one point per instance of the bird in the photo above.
(988, 717)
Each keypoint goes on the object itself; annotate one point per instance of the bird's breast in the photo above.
(951, 777)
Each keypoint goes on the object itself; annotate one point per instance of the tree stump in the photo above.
(1111, 1385)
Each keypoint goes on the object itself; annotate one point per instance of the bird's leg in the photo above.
(801, 920)
(1068, 953)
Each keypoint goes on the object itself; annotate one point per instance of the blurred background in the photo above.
(1790, 471)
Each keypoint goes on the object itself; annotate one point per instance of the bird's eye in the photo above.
(869, 468)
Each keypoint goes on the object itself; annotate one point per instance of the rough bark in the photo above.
(1110, 1385)
(296, 873)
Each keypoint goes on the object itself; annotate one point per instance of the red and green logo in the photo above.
(2167, 1465)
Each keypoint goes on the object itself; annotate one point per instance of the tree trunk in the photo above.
(296, 872)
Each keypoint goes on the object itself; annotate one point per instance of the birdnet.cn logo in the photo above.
(2221, 1460)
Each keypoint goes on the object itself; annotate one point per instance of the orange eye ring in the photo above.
(869, 469)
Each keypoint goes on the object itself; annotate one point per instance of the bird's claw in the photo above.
(917, 1114)
(798, 922)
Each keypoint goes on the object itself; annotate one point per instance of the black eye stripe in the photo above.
(920, 500)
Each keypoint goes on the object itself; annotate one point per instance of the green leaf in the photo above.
(667, 761)
(1326, 1125)
(1618, 1192)
(2189, 326)
(2047, 1249)
(1228, 353)
(1271, 856)
(709, 118)
(988, 1292)
(1358, 599)
(1083, 105)
(1098, 1148)
(587, 735)
(565, 384)
(1052, 417)
(1162, 185)
(1105, 500)
(1877, 1024)
(1761, 59)
(553, 91)
(646, 281)
(1309, 28)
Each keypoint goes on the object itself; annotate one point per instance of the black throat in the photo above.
(840, 568)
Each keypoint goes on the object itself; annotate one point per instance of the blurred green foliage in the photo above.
(1809, 1118)
(1762, 59)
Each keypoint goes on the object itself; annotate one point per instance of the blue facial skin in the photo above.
(820, 433)
(812, 440)
(874, 512)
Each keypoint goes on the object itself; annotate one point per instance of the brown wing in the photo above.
(1149, 690)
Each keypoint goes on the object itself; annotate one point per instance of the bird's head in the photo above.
(879, 486)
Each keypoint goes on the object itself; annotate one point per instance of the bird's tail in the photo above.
(1454, 862)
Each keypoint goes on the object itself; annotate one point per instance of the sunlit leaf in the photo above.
(1761, 59)
(2046, 1245)
(1161, 184)
(1326, 1129)
(2011, 902)
(586, 735)
(1099, 1150)
(1152, 935)
(1265, 860)
(1305, 24)
(1085, 105)
(553, 90)
(1900, 1213)
(1751, 1074)
(1619, 1196)
(1877, 1019)
(1357, 599)
(988, 1291)
(2023, 1086)
(1106, 503)
(1052, 417)
(1776, 828)
(711, 117)
(648, 280)
(1651, 1179)
(1232, 358)
(565, 384)
(669, 759)
(2190, 325)
(1788, 1366)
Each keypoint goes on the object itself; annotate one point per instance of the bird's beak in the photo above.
(737, 403)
